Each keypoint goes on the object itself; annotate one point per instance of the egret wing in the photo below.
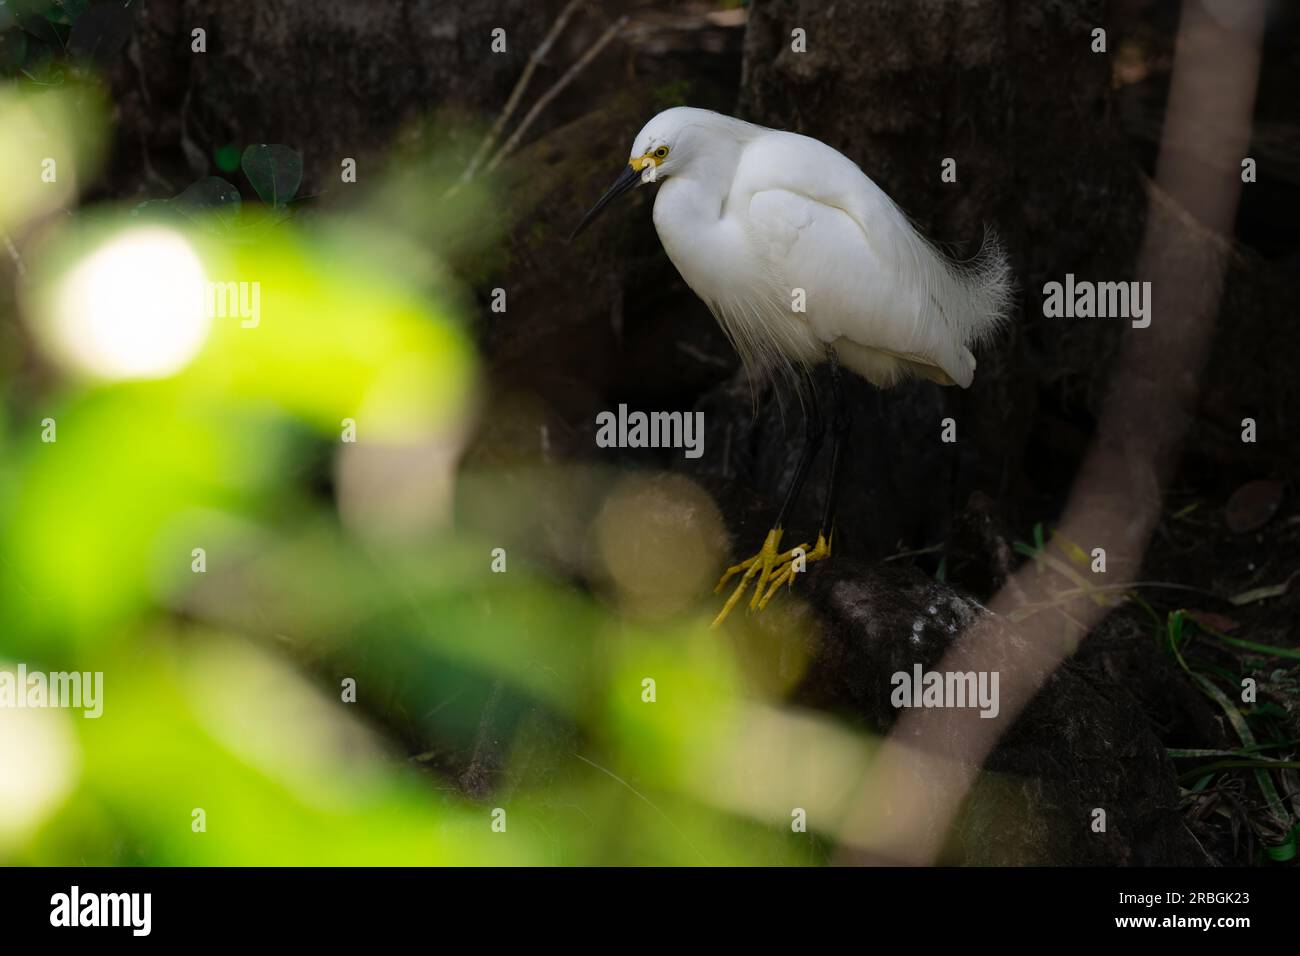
(890, 290)
(852, 287)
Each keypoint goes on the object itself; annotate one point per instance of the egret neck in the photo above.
(690, 215)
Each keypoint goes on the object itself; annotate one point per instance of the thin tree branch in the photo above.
(555, 91)
(518, 92)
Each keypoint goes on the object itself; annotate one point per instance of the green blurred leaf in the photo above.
(39, 67)
(66, 11)
(1270, 649)
(275, 172)
(13, 51)
(40, 28)
(211, 197)
(1285, 851)
(1248, 738)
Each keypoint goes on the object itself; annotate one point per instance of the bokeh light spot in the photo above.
(133, 308)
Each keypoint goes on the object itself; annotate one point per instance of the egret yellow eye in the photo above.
(660, 153)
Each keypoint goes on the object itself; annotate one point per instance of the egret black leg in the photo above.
(797, 559)
(815, 431)
(759, 568)
(841, 423)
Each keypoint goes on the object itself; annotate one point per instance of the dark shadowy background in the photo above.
(1055, 147)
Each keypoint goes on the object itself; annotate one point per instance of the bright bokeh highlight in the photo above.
(135, 307)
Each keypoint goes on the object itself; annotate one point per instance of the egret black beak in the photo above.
(626, 181)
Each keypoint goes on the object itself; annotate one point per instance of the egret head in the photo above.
(661, 148)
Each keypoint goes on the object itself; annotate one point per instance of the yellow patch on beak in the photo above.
(641, 162)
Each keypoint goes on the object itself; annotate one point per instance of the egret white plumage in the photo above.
(804, 260)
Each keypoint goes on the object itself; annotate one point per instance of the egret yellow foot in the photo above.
(784, 572)
(758, 570)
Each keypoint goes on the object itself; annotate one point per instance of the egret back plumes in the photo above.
(795, 249)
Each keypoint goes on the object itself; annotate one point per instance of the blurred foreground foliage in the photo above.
(324, 560)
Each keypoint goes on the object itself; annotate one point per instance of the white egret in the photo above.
(804, 260)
